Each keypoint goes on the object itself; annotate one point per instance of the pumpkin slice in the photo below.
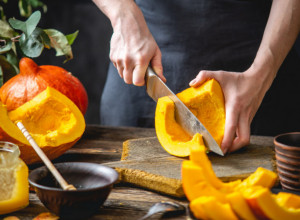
(265, 205)
(169, 133)
(208, 207)
(199, 169)
(196, 184)
(288, 200)
(207, 103)
(240, 206)
(51, 118)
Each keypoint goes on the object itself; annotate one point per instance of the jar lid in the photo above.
(9, 154)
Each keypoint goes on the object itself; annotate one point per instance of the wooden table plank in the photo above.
(100, 145)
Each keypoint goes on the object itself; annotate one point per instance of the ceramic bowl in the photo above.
(92, 181)
(287, 151)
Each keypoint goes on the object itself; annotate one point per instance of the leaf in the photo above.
(71, 37)
(45, 39)
(8, 71)
(5, 30)
(6, 47)
(32, 46)
(25, 9)
(25, 6)
(13, 60)
(2, 15)
(29, 25)
(60, 43)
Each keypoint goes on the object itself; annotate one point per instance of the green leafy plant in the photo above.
(25, 39)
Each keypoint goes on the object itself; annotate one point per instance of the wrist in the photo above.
(116, 10)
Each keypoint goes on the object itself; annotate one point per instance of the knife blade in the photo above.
(156, 88)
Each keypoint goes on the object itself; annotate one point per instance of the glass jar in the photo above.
(14, 186)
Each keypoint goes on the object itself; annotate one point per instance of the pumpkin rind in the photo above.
(34, 79)
(51, 118)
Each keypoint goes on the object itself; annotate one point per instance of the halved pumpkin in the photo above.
(51, 118)
(206, 102)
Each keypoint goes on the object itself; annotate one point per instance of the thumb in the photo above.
(157, 65)
(202, 76)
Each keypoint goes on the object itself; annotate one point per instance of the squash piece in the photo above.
(51, 118)
(195, 183)
(288, 200)
(240, 206)
(207, 103)
(266, 206)
(261, 177)
(210, 208)
(169, 133)
(198, 156)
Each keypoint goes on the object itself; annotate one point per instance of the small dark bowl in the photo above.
(287, 152)
(92, 181)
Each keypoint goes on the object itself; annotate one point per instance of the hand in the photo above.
(243, 93)
(133, 48)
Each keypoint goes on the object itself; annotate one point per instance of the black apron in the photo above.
(196, 35)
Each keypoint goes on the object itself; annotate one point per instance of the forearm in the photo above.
(120, 11)
(280, 34)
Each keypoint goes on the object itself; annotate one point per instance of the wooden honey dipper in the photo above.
(62, 182)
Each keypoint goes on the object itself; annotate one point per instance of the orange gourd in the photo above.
(34, 79)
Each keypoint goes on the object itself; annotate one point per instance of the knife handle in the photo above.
(149, 72)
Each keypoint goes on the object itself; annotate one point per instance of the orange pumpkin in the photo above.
(34, 79)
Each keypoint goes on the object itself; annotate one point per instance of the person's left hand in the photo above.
(243, 93)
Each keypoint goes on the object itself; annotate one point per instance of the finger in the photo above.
(127, 75)
(157, 65)
(120, 70)
(230, 129)
(203, 76)
(138, 76)
(243, 135)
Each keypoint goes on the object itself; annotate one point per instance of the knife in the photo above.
(156, 88)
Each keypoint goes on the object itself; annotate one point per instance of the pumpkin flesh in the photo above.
(206, 102)
(52, 119)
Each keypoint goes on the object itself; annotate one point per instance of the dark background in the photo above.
(90, 49)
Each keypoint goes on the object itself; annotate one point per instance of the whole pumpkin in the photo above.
(34, 79)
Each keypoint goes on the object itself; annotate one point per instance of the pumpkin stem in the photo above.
(28, 66)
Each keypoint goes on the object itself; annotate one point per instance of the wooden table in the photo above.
(104, 144)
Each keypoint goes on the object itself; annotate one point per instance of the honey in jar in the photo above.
(14, 186)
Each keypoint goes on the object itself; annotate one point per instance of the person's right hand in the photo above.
(133, 48)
